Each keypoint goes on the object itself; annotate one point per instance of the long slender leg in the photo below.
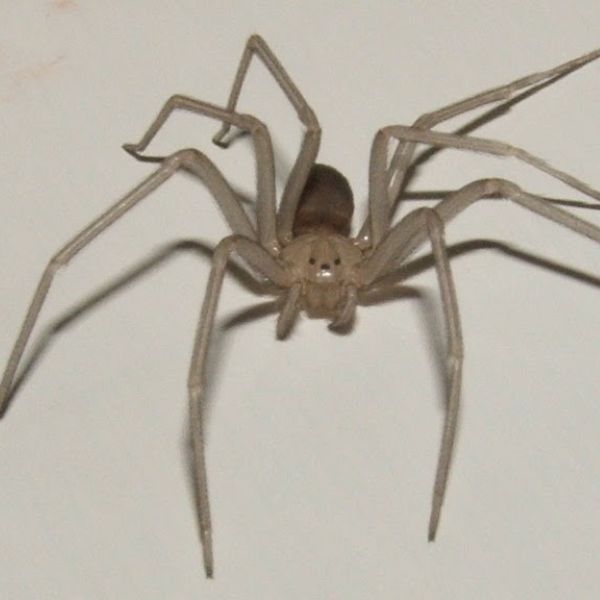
(263, 262)
(408, 235)
(379, 209)
(428, 222)
(256, 46)
(435, 231)
(265, 166)
(188, 159)
(404, 239)
(404, 152)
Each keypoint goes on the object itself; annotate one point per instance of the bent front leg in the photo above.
(256, 46)
(263, 149)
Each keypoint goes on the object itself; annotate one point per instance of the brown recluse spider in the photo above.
(302, 246)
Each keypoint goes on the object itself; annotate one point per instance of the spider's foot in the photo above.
(224, 132)
(133, 151)
(4, 400)
(218, 138)
(433, 525)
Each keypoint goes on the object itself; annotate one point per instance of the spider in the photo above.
(301, 247)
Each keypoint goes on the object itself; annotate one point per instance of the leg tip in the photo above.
(207, 556)
(209, 570)
(218, 138)
(4, 400)
(433, 525)
(130, 149)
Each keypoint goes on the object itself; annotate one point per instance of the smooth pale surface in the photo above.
(322, 449)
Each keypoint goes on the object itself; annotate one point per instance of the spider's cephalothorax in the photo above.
(321, 257)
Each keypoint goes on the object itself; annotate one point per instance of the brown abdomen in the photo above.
(326, 203)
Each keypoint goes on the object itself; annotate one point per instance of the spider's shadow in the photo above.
(117, 285)
(391, 288)
(434, 329)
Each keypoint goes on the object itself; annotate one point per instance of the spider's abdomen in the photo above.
(326, 203)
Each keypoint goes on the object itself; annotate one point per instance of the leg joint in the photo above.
(255, 42)
(433, 219)
(186, 157)
(496, 185)
(176, 99)
(57, 262)
(195, 387)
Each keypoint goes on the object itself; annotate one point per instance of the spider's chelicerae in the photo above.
(302, 244)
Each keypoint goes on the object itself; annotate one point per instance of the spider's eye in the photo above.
(311, 260)
(337, 261)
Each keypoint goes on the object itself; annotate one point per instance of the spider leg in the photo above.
(405, 237)
(408, 235)
(264, 263)
(430, 225)
(380, 213)
(265, 169)
(190, 160)
(435, 231)
(256, 46)
(404, 152)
